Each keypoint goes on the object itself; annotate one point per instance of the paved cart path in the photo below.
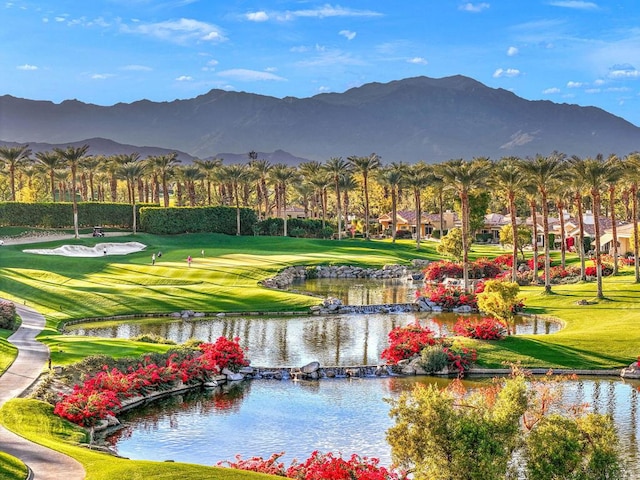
(45, 464)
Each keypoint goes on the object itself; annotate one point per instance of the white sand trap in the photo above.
(100, 250)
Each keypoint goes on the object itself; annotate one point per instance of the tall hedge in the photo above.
(60, 214)
(174, 220)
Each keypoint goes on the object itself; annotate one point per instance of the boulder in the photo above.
(632, 371)
(310, 368)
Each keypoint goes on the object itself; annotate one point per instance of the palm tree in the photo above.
(614, 174)
(464, 177)
(261, 169)
(90, 165)
(632, 172)
(320, 181)
(164, 165)
(578, 187)
(13, 157)
(283, 176)
(338, 168)
(596, 170)
(191, 174)
(507, 177)
(131, 172)
(364, 166)
(313, 174)
(543, 172)
(417, 178)
(392, 177)
(347, 184)
(235, 175)
(50, 161)
(72, 157)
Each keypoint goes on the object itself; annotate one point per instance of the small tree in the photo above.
(451, 244)
(499, 299)
(524, 236)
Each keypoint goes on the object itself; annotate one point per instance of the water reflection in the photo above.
(263, 417)
(295, 341)
(361, 291)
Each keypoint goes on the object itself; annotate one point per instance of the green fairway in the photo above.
(600, 335)
(597, 336)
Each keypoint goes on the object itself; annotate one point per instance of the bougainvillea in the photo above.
(486, 328)
(319, 466)
(101, 393)
(405, 342)
(449, 297)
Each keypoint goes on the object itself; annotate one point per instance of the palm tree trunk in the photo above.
(534, 226)
(514, 229)
(563, 242)
(583, 267)
(596, 218)
(394, 213)
(636, 240)
(366, 206)
(464, 201)
(614, 229)
(547, 253)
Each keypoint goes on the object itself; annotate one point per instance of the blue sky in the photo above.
(110, 51)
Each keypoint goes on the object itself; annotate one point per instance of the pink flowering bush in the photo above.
(319, 466)
(449, 297)
(405, 342)
(486, 328)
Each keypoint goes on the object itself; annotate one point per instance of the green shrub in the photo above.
(176, 220)
(433, 358)
(153, 338)
(8, 317)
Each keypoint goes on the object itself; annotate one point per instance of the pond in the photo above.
(262, 417)
(361, 291)
(333, 340)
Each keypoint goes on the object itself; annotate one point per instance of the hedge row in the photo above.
(296, 227)
(60, 214)
(174, 220)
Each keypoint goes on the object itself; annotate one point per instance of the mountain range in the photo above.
(418, 118)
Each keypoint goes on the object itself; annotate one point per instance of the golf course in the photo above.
(224, 277)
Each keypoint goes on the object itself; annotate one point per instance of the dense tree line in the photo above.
(347, 191)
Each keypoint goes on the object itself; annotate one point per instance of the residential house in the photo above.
(429, 222)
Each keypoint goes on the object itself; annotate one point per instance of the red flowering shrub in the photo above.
(405, 342)
(450, 297)
(540, 263)
(504, 261)
(319, 466)
(591, 270)
(460, 358)
(224, 353)
(438, 271)
(102, 392)
(485, 268)
(485, 328)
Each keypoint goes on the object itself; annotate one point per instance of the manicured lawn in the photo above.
(7, 351)
(35, 421)
(599, 336)
(602, 335)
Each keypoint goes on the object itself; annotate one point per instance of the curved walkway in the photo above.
(45, 464)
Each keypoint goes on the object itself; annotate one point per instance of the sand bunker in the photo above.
(100, 250)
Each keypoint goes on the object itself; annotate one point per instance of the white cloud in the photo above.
(271, 69)
(599, 82)
(512, 51)
(624, 71)
(184, 78)
(257, 16)
(101, 76)
(348, 34)
(243, 74)
(327, 58)
(474, 7)
(509, 72)
(60, 19)
(324, 11)
(26, 66)
(299, 49)
(180, 31)
(576, 4)
(592, 90)
(551, 91)
(574, 84)
(323, 89)
(418, 61)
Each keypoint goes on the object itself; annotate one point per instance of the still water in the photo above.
(262, 417)
(334, 340)
(361, 291)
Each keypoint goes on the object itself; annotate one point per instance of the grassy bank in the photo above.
(602, 335)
